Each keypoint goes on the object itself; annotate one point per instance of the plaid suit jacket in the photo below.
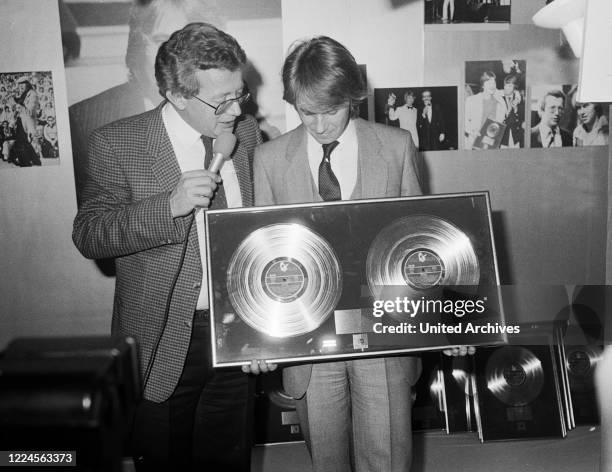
(125, 214)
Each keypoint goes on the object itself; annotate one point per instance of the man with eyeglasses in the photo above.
(145, 186)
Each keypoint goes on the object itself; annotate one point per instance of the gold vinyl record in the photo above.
(581, 362)
(284, 280)
(514, 375)
(422, 252)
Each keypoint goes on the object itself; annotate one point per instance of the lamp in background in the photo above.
(568, 16)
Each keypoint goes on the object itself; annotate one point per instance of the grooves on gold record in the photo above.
(284, 280)
(514, 375)
(422, 252)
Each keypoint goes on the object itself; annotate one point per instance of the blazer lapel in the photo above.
(298, 187)
(373, 172)
(164, 164)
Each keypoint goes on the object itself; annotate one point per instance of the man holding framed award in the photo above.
(333, 155)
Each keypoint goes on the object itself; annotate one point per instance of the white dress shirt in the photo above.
(343, 160)
(190, 154)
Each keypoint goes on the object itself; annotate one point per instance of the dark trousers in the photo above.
(206, 423)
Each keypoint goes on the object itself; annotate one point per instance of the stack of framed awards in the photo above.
(539, 385)
(357, 278)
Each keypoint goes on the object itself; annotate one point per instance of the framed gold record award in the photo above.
(344, 279)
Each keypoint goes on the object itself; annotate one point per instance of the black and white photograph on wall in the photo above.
(429, 113)
(28, 131)
(559, 120)
(494, 104)
(467, 11)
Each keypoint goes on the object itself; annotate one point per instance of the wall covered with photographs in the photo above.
(549, 193)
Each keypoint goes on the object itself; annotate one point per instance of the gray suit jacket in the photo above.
(387, 162)
(125, 214)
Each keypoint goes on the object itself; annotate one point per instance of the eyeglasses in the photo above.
(226, 104)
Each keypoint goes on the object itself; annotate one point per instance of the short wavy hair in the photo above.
(322, 71)
(198, 46)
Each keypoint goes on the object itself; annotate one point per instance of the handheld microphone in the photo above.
(222, 150)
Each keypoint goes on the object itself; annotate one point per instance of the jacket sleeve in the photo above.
(109, 223)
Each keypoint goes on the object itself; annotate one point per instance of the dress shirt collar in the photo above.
(179, 130)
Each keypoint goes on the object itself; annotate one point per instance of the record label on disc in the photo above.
(579, 362)
(284, 279)
(515, 375)
(423, 269)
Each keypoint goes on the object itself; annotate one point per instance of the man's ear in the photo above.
(178, 101)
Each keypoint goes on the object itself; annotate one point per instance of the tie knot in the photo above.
(328, 148)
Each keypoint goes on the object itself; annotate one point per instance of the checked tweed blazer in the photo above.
(388, 167)
(125, 214)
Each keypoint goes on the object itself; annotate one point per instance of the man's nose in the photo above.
(320, 123)
(235, 109)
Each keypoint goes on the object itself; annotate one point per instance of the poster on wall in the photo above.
(559, 120)
(467, 11)
(28, 130)
(429, 113)
(494, 104)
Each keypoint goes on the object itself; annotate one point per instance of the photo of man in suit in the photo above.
(145, 184)
(547, 133)
(430, 125)
(356, 411)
